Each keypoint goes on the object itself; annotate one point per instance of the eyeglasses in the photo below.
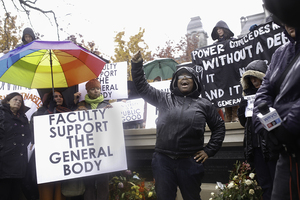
(184, 76)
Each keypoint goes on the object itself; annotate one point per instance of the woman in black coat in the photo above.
(14, 138)
(255, 146)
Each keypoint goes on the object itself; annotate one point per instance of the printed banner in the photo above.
(113, 79)
(78, 144)
(221, 65)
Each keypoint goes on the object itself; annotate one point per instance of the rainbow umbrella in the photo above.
(49, 64)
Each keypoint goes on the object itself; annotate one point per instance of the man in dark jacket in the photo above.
(255, 148)
(179, 150)
(280, 90)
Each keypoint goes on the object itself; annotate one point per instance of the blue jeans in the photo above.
(169, 173)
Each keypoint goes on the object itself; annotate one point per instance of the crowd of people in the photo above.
(180, 153)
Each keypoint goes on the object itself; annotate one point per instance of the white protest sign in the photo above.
(249, 108)
(78, 144)
(113, 79)
(31, 99)
(132, 110)
(152, 112)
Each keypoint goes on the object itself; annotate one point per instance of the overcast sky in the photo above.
(163, 20)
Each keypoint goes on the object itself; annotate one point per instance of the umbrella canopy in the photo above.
(164, 68)
(49, 64)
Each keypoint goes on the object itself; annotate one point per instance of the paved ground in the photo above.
(207, 189)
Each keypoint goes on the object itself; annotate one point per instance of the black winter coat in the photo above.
(14, 138)
(286, 100)
(252, 139)
(182, 119)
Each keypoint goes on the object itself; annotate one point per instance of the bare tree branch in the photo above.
(27, 3)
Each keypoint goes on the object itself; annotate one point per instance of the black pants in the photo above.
(10, 188)
(96, 187)
(169, 173)
(265, 172)
(286, 182)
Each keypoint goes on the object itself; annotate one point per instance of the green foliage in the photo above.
(128, 185)
(10, 33)
(125, 49)
(242, 185)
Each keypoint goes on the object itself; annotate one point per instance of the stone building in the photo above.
(195, 30)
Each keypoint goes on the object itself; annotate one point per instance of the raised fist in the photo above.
(137, 57)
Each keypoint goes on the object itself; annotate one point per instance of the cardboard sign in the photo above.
(113, 79)
(78, 144)
(132, 110)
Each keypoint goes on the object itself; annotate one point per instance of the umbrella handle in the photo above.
(51, 72)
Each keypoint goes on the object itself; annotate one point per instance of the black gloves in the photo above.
(284, 136)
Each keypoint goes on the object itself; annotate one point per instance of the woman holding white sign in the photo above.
(96, 187)
(179, 149)
(15, 136)
(53, 104)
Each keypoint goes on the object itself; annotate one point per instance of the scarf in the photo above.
(94, 102)
(61, 109)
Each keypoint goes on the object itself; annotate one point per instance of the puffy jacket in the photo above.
(182, 119)
(286, 100)
(252, 140)
(14, 139)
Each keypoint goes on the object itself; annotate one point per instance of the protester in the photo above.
(96, 187)
(15, 136)
(179, 151)
(28, 36)
(221, 33)
(52, 104)
(255, 149)
(280, 90)
(287, 11)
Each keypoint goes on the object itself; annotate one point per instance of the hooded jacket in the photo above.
(28, 31)
(182, 119)
(221, 24)
(285, 98)
(256, 68)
